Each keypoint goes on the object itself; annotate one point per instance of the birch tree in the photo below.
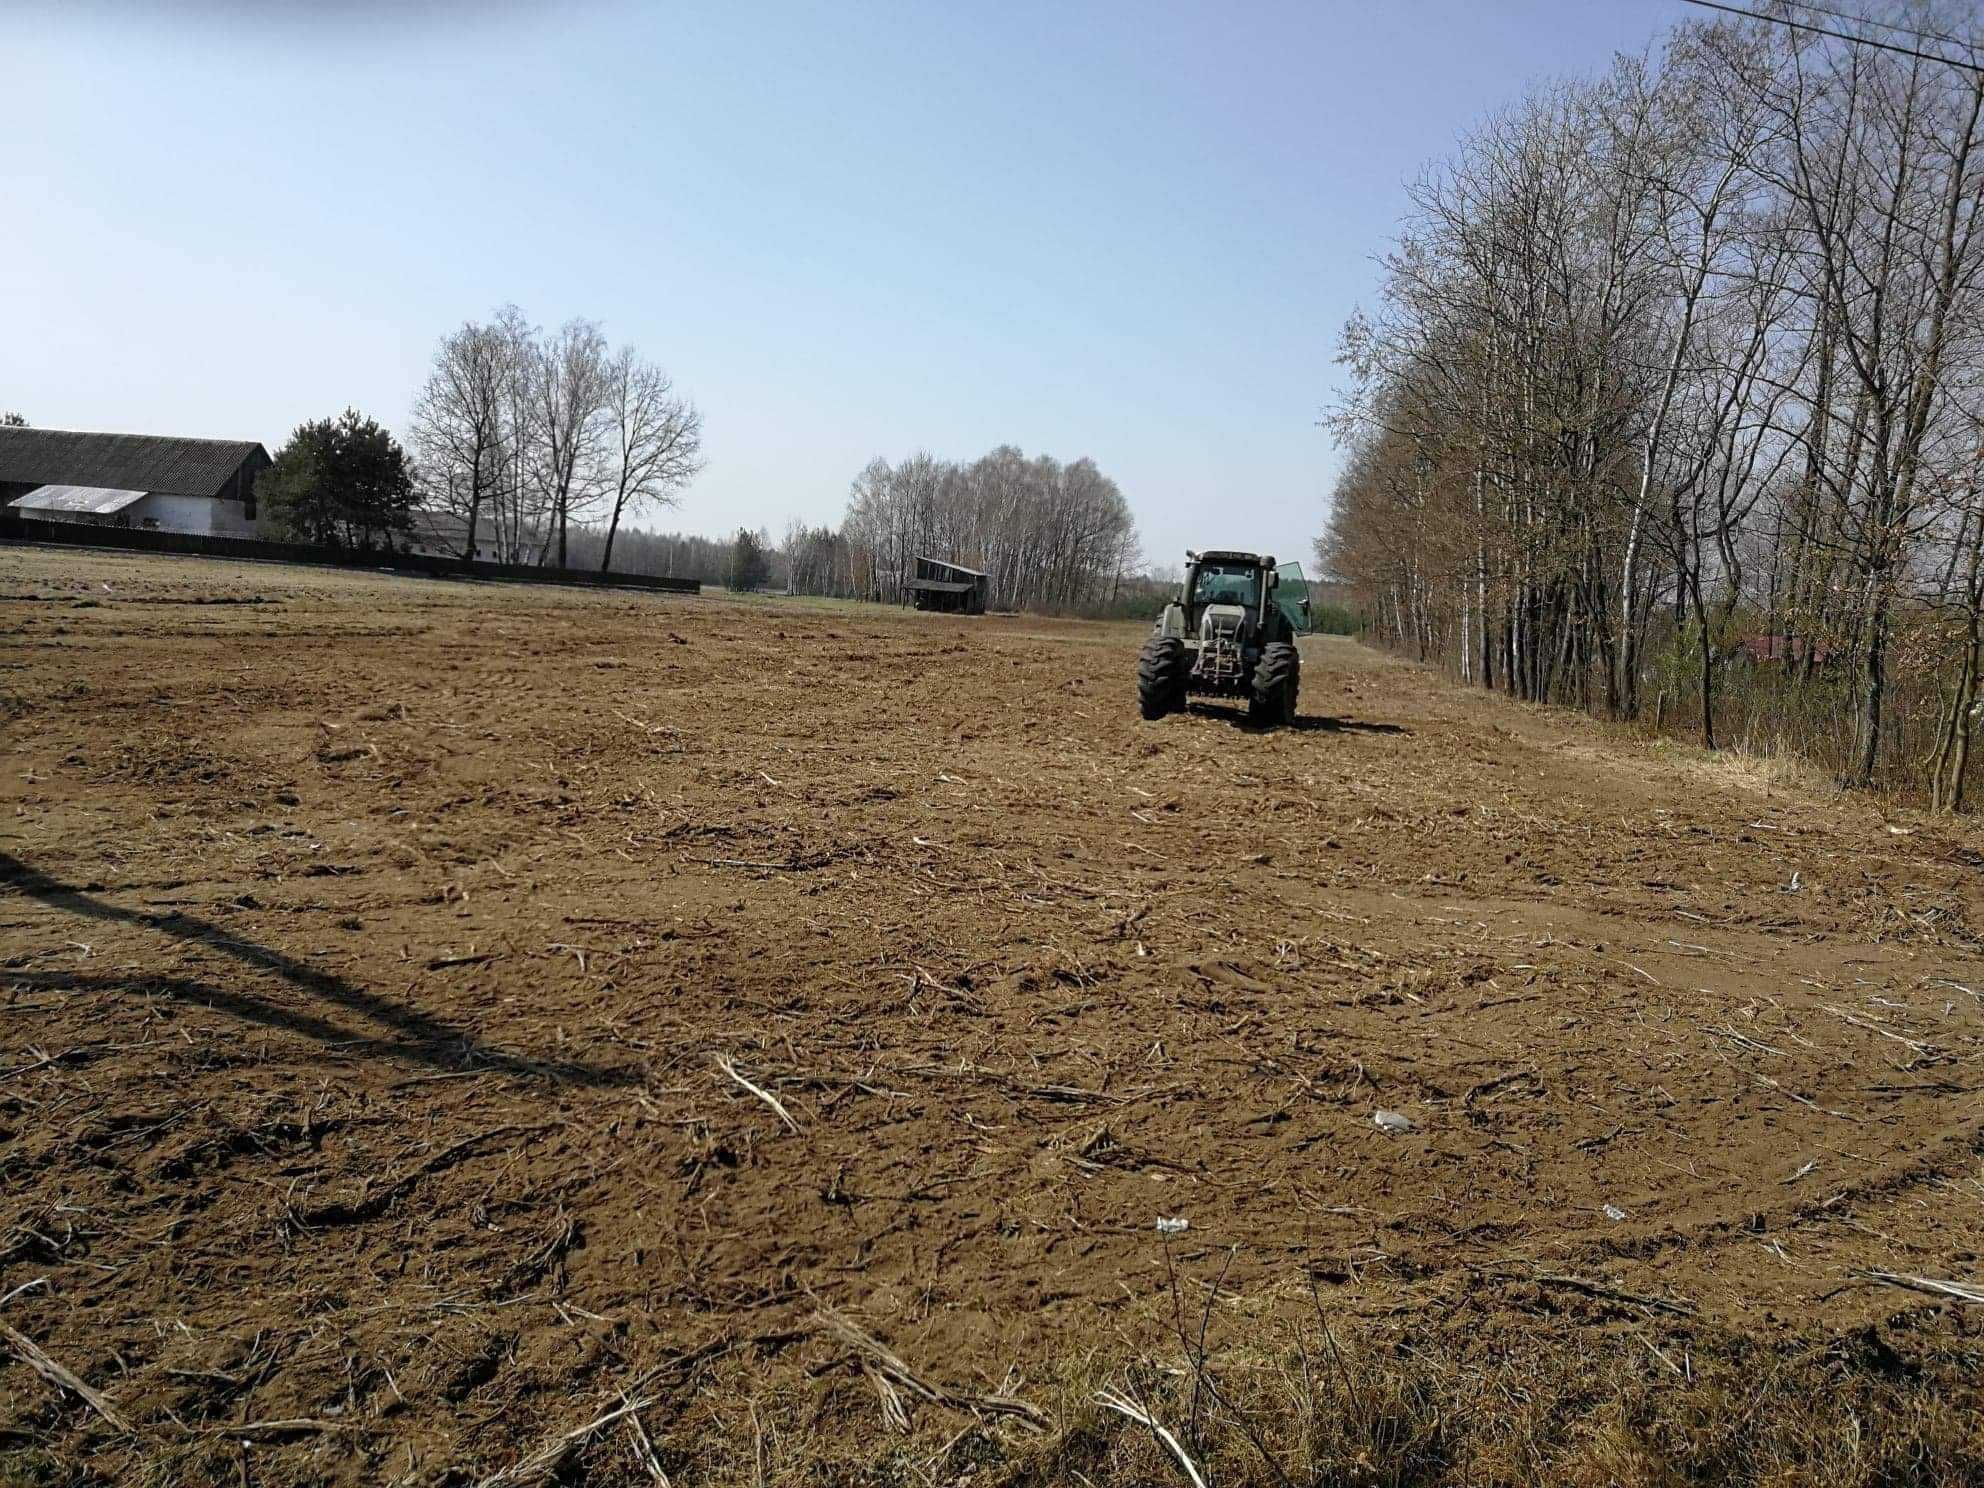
(567, 385)
(1695, 345)
(462, 435)
(652, 442)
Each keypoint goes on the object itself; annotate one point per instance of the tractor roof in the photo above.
(1226, 555)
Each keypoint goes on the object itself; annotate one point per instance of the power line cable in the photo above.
(1918, 33)
(1866, 41)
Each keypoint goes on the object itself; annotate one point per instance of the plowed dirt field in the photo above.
(437, 1016)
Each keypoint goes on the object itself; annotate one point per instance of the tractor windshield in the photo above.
(1227, 583)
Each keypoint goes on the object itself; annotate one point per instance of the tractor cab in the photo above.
(1227, 580)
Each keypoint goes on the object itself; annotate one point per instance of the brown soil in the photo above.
(372, 950)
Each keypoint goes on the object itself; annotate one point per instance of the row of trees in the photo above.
(1678, 369)
(747, 560)
(529, 435)
(1052, 537)
(545, 443)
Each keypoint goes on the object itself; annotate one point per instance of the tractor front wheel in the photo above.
(1277, 680)
(1161, 676)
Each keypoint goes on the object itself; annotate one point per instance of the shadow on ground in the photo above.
(1306, 724)
(409, 1034)
(1324, 724)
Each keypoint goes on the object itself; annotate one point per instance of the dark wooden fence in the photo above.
(145, 540)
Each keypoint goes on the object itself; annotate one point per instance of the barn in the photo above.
(948, 586)
(151, 481)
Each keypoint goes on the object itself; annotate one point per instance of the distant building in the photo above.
(151, 481)
(948, 586)
(1789, 649)
(444, 534)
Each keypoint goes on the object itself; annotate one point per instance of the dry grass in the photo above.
(1399, 1408)
(1770, 773)
(1406, 1402)
(1777, 730)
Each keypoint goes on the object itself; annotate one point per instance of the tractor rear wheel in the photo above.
(1277, 680)
(1161, 676)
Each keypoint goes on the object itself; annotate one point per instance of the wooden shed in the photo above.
(948, 586)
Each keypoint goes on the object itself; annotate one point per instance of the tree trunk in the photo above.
(1874, 682)
(612, 530)
(474, 513)
(1629, 661)
(1708, 683)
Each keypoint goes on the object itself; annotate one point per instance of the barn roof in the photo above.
(93, 501)
(123, 462)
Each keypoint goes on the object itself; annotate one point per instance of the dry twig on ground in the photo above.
(1123, 1406)
(30, 1353)
(723, 1062)
(878, 1356)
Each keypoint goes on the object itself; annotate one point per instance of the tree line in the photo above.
(1051, 536)
(545, 445)
(1675, 381)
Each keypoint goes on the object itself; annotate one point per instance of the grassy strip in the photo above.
(1575, 1398)
(1505, 1405)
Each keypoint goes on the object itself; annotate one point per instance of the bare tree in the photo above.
(527, 436)
(1879, 171)
(567, 382)
(516, 505)
(1696, 345)
(1050, 536)
(816, 560)
(461, 432)
(652, 444)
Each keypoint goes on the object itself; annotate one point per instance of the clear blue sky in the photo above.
(1129, 231)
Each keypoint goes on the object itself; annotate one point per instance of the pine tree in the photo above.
(340, 483)
(748, 567)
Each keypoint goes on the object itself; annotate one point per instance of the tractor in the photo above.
(1224, 636)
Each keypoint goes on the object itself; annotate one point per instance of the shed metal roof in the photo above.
(95, 501)
(124, 462)
(953, 567)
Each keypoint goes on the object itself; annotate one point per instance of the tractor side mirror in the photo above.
(1274, 580)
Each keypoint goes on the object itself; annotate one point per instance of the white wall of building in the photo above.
(208, 516)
